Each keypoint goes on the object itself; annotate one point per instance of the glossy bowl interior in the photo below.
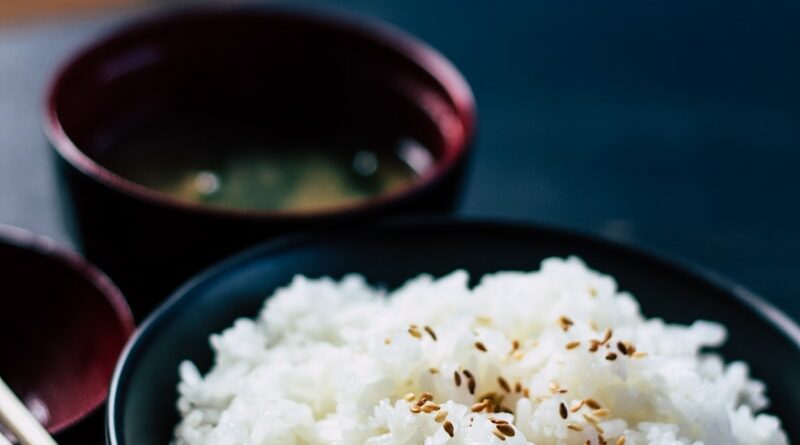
(63, 325)
(142, 401)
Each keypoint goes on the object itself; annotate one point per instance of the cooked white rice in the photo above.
(330, 362)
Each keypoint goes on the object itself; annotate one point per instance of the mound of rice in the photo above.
(557, 356)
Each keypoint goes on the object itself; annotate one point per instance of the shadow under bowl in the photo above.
(274, 75)
(63, 325)
(142, 405)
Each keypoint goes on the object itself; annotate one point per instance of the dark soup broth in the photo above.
(240, 169)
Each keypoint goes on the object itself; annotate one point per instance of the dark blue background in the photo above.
(673, 125)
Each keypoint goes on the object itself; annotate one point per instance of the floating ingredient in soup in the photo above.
(263, 176)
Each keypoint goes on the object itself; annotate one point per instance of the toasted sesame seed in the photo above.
(639, 354)
(506, 429)
(503, 384)
(621, 440)
(575, 427)
(433, 370)
(562, 410)
(588, 442)
(480, 346)
(611, 356)
(565, 323)
(409, 397)
(414, 332)
(425, 396)
(594, 422)
(478, 407)
(440, 416)
(602, 412)
(607, 335)
(526, 392)
(518, 355)
(515, 345)
(577, 406)
(448, 427)
(431, 407)
(497, 421)
(430, 332)
(415, 409)
(622, 348)
(482, 319)
(387, 341)
(592, 291)
(498, 434)
(457, 378)
(573, 344)
(467, 374)
(592, 403)
(471, 385)
(594, 345)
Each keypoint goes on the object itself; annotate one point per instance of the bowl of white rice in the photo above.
(458, 333)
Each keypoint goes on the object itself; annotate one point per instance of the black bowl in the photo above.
(282, 73)
(143, 394)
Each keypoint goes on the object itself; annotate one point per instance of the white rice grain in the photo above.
(329, 363)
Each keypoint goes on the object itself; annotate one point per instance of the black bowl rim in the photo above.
(365, 27)
(52, 251)
(149, 329)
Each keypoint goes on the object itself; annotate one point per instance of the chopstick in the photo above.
(20, 421)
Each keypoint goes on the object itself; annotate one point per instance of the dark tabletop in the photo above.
(673, 125)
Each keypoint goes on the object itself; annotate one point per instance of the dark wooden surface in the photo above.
(672, 125)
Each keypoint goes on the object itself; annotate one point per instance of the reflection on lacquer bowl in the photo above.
(63, 324)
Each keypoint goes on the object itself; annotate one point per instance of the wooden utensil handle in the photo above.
(16, 417)
(3, 440)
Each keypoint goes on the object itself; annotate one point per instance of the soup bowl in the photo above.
(216, 75)
(142, 408)
(63, 325)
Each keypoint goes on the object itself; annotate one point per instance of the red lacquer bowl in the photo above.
(63, 323)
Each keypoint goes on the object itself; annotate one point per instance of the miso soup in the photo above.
(239, 170)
